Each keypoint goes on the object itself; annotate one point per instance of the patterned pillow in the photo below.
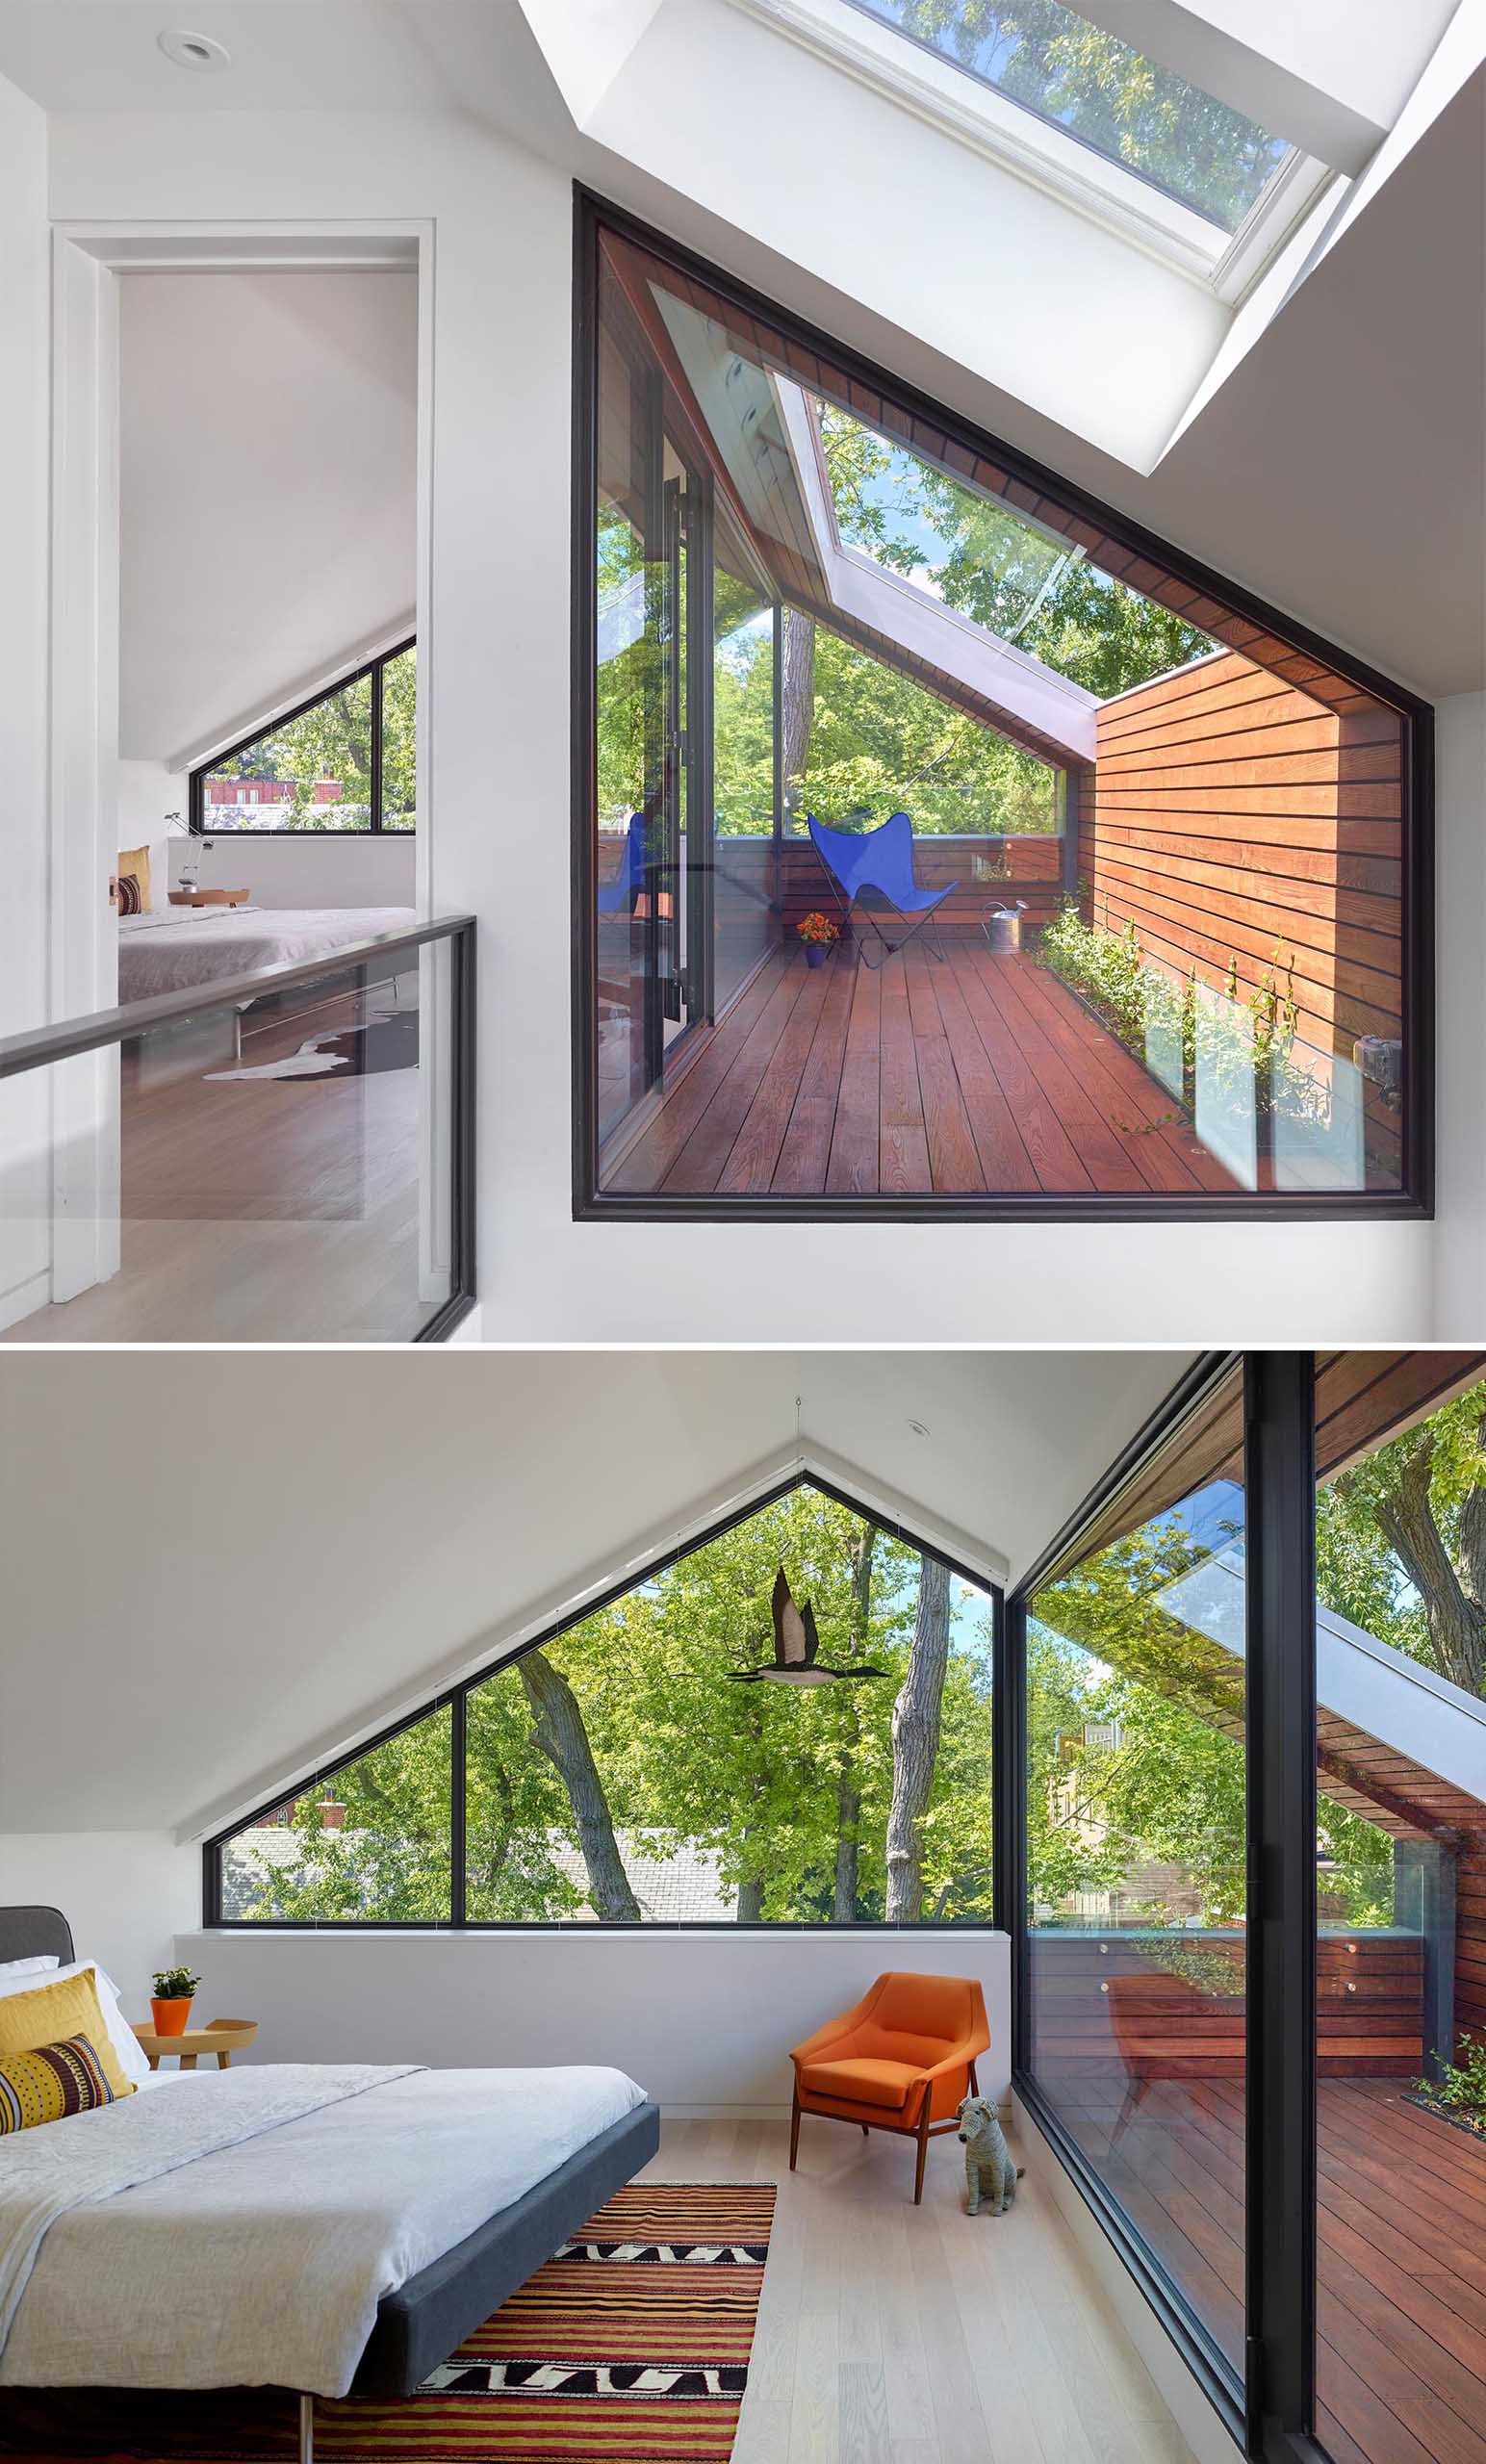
(49, 2083)
(130, 903)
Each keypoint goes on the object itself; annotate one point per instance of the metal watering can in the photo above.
(1003, 929)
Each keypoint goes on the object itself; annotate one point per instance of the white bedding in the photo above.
(170, 948)
(262, 2263)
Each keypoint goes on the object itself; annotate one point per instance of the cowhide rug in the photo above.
(387, 1041)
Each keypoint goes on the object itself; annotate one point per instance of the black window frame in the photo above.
(201, 828)
(454, 1698)
(1415, 1198)
(1269, 2409)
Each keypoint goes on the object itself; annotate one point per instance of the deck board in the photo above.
(1402, 2250)
(956, 1076)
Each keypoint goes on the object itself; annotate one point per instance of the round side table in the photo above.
(222, 2036)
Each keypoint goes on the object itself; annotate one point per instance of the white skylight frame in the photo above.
(937, 89)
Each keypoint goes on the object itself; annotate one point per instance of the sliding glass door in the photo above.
(1243, 1710)
(653, 566)
(1137, 1852)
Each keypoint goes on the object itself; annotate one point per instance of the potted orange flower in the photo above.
(818, 933)
(170, 2002)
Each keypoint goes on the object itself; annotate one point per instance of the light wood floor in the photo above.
(891, 2334)
(256, 1211)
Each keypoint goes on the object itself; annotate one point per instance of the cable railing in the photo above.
(284, 1155)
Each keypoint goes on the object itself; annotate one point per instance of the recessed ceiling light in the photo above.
(918, 1428)
(193, 51)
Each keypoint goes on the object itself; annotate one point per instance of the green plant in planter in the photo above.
(176, 1984)
(1461, 2087)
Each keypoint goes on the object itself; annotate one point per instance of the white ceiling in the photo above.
(1336, 470)
(310, 1541)
(267, 491)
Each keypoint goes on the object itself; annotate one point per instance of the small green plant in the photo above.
(1245, 1047)
(1207, 1969)
(174, 1983)
(1461, 2087)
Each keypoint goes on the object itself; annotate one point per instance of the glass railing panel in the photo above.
(280, 1159)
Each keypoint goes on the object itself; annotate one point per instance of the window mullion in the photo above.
(457, 1861)
(1280, 2097)
(377, 677)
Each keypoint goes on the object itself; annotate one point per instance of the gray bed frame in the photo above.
(429, 2317)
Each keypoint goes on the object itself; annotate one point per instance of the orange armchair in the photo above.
(902, 2061)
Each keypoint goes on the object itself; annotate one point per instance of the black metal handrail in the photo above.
(35, 1046)
(39, 1046)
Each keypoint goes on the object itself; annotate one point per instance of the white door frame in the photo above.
(87, 259)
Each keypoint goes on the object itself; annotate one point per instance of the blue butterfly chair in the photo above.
(617, 896)
(880, 859)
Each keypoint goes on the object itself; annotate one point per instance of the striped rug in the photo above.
(629, 2346)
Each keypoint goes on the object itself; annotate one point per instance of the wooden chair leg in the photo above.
(923, 2152)
(794, 2132)
(975, 2085)
(866, 2134)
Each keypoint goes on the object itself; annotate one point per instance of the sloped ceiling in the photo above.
(268, 485)
(1337, 472)
(311, 1541)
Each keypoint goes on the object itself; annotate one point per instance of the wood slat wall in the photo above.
(1233, 814)
(1036, 866)
(1097, 1999)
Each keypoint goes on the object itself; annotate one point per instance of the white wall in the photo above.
(318, 869)
(126, 1894)
(1460, 855)
(267, 488)
(498, 702)
(704, 2021)
(25, 1240)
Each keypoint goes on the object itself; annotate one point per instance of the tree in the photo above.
(1020, 580)
(915, 1744)
(557, 1726)
(1072, 72)
(848, 1794)
(1402, 1541)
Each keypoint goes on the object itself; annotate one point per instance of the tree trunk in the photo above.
(750, 1908)
(1457, 1622)
(558, 1727)
(848, 1794)
(799, 695)
(915, 1744)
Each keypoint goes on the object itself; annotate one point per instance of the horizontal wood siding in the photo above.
(1239, 822)
(1035, 877)
(1097, 1999)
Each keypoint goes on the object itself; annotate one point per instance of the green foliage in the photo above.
(750, 1773)
(389, 1859)
(1357, 1574)
(994, 565)
(1461, 2087)
(878, 742)
(1114, 98)
(1243, 1046)
(176, 1984)
(333, 741)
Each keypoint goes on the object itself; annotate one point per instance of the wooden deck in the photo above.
(1402, 2234)
(970, 1075)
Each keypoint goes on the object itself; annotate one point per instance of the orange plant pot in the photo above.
(171, 2017)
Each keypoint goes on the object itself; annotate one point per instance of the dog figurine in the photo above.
(989, 2170)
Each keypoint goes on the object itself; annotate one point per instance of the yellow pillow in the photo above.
(50, 2013)
(51, 2083)
(136, 861)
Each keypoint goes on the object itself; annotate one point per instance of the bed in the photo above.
(169, 949)
(371, 2189)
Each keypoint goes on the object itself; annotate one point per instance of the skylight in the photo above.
(891, 505)
(981, 556)
(1057, 64)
